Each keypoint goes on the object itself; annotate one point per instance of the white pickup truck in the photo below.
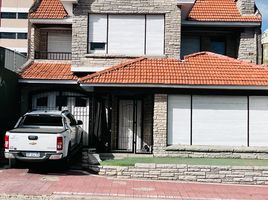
(42, 136)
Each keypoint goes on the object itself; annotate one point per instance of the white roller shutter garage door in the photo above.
(213, 120)
(258, 121)
(219, 120)
(179, 119)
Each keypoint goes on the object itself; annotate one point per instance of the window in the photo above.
(42, 102)
(22, 15)
(8, 15)
(42, 120)
(80, 102)
(218, 45)
(97, 46)
(22, 36)
(126, 34)
(61, 101)
(189, 45)
(7, 35)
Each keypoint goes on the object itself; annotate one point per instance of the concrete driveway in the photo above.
(76, 184)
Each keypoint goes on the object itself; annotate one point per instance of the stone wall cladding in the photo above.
(198, 173)
(248, 45)
(209, 154)
(168, 7)
(246, 7)
(101, 61)
(34, 41)
(160, 123)
(203, 151)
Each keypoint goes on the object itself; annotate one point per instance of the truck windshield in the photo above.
(41, 120)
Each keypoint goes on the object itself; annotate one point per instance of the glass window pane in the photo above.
(22, 15)
(97, 46)
(22, 35)
(189, 45)
(42, 120)
(8, 15)
(80, 102)
(218, 46)
(61, 101)
(6, 35)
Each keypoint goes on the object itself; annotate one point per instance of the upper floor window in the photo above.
(7, 35)
(12, 35)
(218, 45)
(126, 34)
(22, 36)
(14, 15)
(22, 15)
(190, 44)
(8, 15)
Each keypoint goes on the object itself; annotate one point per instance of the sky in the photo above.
(263, 7)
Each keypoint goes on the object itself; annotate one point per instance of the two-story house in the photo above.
(158, 76)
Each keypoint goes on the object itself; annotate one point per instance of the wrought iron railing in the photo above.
(53, 55)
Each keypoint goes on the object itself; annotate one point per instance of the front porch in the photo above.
(122, 123)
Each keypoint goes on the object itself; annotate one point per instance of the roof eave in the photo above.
(43, 81)
(89, 86)
(68, 20)
(220, 24)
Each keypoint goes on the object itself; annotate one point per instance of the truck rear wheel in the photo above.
(12, 163)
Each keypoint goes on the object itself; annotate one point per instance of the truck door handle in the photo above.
(32, 137)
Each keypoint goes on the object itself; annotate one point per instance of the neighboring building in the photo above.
(10, 61)
(265, 47)
(87, 59)
(14, 24)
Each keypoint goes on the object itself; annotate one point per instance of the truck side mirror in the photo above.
(79, 122)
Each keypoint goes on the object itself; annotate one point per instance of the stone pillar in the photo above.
(248, 46)
(33, 41)
(160, 123)
(246, 7)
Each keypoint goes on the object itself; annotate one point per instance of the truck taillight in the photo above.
(6, 142)
(59, 143)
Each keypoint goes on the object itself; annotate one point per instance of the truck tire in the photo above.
(65, 162)
(12, 163)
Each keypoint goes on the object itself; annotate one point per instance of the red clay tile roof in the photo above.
(202, 68)
(49, 9)
(218, 11)
(48, 71)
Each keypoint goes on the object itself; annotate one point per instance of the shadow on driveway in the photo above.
(58, 168)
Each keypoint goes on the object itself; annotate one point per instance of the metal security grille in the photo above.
(130, 126)
(77, 104)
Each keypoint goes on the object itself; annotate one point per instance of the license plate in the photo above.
(33, 154)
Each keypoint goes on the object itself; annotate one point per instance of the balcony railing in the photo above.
(53, 55)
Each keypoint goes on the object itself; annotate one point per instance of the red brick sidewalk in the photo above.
(20, 181)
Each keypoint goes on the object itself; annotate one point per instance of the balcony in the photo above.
(52, 43)
(53, 55)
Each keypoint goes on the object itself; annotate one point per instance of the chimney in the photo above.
(246, 7)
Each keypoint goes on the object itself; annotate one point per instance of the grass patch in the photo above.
(188, 161)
